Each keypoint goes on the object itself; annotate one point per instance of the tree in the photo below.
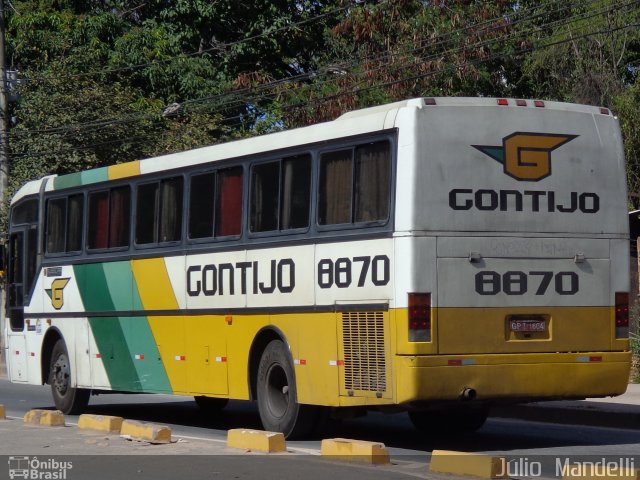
(117, 80)
(398, 49)
(581, 51)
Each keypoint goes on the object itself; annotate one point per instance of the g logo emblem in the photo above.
(526, 156)
(56, 292)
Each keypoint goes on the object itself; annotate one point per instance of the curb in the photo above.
(100, 423)
(347, 450)
(45, 418)
(462, 463)
(257, 440)
(572, 415)
(147, 432)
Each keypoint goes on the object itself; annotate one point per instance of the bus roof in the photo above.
(368, 120)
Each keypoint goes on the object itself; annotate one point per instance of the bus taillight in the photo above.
(419, 317)
(622, 314)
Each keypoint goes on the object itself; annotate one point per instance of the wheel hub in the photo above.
(278, 391)
(61, 374)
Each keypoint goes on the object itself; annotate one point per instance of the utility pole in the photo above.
(4, 114)
(4, 159)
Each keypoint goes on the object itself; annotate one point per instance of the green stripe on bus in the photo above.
(66, 181)
(122, 286)
(81, 178)
(137, 332)
(147, 362)
(107, 331)
(93, 286)
(115, 354)
(127, 346)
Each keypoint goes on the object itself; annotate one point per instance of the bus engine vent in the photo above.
(364, 351)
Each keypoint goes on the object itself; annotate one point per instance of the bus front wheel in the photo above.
(277, 401)
(67, 399)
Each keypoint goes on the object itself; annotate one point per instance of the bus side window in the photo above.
(280, 194)
(229, 202)
(147, 214)
(265, 179)
(120, 217)
(159, 214)
(98, 220)
(201, 205)
(64, 224)
(171, 210)
(75, 220)
(373, 179)
(109, 218)
(295, 190)
(355, 185)
(56, 224)
(336, 183)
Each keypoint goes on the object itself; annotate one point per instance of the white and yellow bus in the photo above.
(436, 255)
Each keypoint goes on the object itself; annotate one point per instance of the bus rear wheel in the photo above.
(277, 400)
(450, 422)
(67, 399)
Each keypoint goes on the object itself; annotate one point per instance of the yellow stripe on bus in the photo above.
(124, 170)
(154, 286)
(156, 293)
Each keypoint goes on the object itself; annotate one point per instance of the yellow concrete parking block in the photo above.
(101, 423)
(348, 450)
(3, 413)
(147, 432)
(47, 418)
(462, 463)
(594, 471)
(257, 440)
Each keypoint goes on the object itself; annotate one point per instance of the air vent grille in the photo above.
(363, 338)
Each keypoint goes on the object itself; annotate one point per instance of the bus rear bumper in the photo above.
(512, 378)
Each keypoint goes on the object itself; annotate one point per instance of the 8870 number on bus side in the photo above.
(357, 271)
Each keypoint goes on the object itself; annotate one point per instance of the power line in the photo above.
(353, 92)
(220, 46)
(315, 74)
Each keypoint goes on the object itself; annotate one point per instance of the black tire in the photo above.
(211, 404)
(277, 400)
(67, 399)
(450, 422)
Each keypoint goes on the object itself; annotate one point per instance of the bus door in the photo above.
(23, 251)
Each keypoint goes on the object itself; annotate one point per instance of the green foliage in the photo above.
(591, 53)
(627, 106)
(115, 80)
(399, 49)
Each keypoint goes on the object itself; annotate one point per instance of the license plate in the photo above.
(528, 325)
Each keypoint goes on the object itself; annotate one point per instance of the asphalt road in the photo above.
(526, 443)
